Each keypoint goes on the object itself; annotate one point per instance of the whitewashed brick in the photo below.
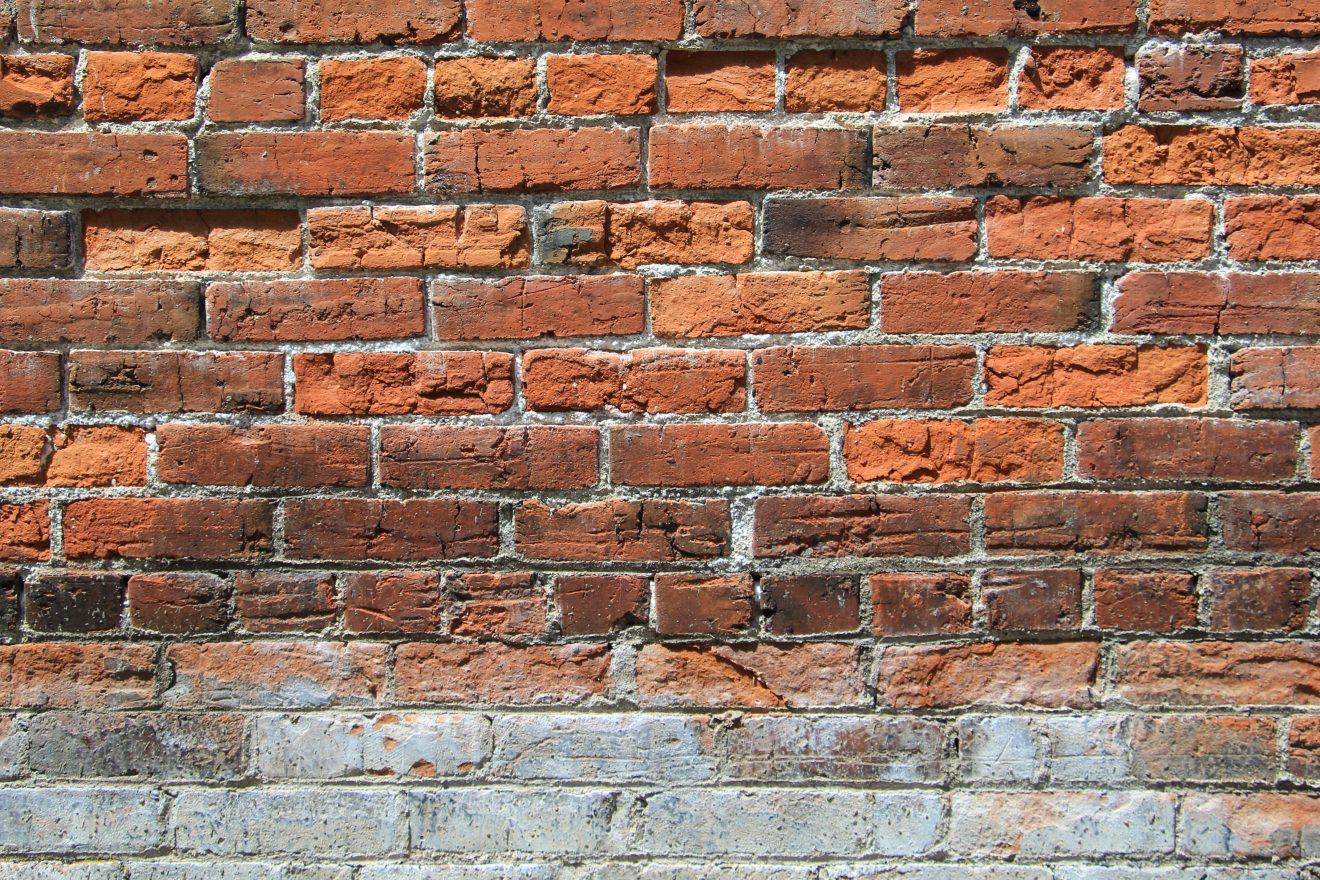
(77, 820)
(1036, 825)
(782, 748)
(314, 821)
(389, 744)
(603, 748)
(481, 820)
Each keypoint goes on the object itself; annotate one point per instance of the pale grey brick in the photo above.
(235, 871)
(315, 821)
(999, 749)
(80, 820)
(1129, 872)
(346, 745)
(724, 872)
(13, 746)
(1087, 749)
(603, 748)
(933, 872)
(458, 872)
(61, 871)
(152, 744)
(483, 820)
(1257, 825)
(784, 822)
(1033, 825)
(778, 748)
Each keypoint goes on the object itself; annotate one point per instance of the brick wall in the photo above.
(776, 439)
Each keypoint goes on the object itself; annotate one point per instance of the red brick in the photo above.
(1094, 376)
(1049, 599)
(185, 241)
(97, 312)
(1271, 522)
(715, 82)
(1304, 748)
(25, 532)
(777, 454)
(650, 380)
(598, 604)
(1187, 449)
(305, 163)
(868, 228)
(271, 601)
(416, 529)
(745, 156)
(499, 605)
(263, 455)
(923, 157)
(1258, 599)
(387, 383)
(981, 18)
(533, 159)
(1207, 156)
(703, 605)
(1276, 378)
(1273, 227)
(1218, 304)
(177, 381)
(827, 81)
(97, 455)
(372, 88)
(630, 531)
(276, 675)
(944, 451)
(921, 604)
(315, 311)
(805, 675)
(633, 234)
(392, 602)
(591, 85)
(257, 91)
(533, 457)
(538, 306)
(73, 602)
(1244, 17)
(1099, 229)
(92, 164)
(1157, 601)
(502, 674)
(472, 88)
(953, 80)
(555, 20)
(1083, 522)
(700, 306)
(979, 302)
(805, 379)
(1050, 676)
(126, 22)
(184, 604)
(70, 675)
(1161, 673)
(167, 528)
(1190, 78)
(1286, 78)
(1190, 748)
(29, 381)
(36, 86)
(1072, 78)
(35, 239)
(804, 605)
(343, 21)
(800, 18)
(139, 86)
(861, 525)
(434, 236)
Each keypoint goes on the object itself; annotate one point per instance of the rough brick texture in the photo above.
(659, 440)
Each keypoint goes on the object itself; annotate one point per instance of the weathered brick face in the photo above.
(659, 439)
